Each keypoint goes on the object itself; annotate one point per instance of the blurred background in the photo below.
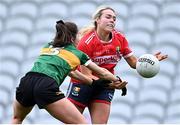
(149, 25)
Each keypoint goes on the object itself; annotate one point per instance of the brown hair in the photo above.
(65, 33)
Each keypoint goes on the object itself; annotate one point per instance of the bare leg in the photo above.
(80, 109)
(66, 112)
(20, 112)
(96, 110)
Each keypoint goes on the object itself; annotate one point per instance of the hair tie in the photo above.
(60, 21)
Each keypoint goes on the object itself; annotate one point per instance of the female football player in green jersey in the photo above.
(57, 60)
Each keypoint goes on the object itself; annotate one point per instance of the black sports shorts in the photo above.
(37, 88)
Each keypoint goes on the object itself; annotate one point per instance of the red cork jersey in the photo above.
(106, 54)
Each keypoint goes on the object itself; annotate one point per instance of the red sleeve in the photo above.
(126, 49)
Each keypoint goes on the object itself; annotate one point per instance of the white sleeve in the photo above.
(87, 63)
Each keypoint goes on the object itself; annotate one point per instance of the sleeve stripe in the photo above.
(128, 55)
(89, 39)
(87, 63)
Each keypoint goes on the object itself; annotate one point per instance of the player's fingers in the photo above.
(118, 82)
(158, 53)
(121, 85)
(114, 86)
(160, 57)
(117, 85)
(163, 57)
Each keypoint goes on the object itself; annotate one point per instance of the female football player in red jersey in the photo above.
(40, 85)
(105, 46)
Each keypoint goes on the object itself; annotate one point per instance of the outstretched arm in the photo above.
(131, 60)
(81, 77)
(97, 83)
(101, 72)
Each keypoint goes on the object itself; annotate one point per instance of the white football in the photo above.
(147, 65)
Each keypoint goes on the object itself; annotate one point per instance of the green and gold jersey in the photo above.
(58, 62)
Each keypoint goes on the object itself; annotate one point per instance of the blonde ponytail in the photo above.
(85, 30)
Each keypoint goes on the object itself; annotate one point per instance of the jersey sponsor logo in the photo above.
(76, 91)
(112, 59)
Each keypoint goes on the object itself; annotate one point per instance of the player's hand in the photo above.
(118, 85)
(160, 57)
(124, 90)
(101, 83)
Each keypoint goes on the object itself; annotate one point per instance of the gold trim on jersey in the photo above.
(68, 56)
